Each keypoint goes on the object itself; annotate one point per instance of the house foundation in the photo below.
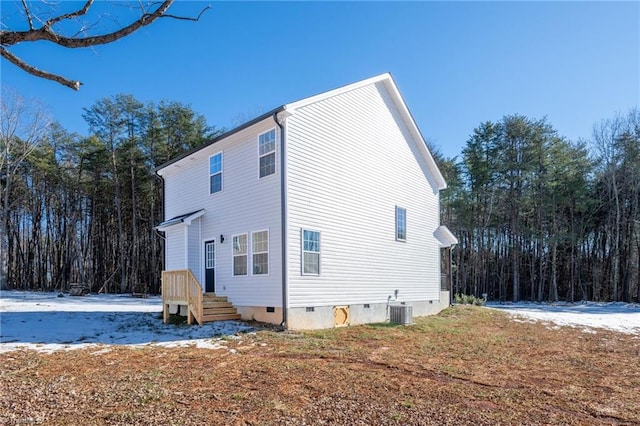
(320, 317)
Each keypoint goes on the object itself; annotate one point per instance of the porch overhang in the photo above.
(445, 237)
(181, 219)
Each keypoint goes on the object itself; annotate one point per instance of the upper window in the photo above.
(310, 252)
(215, 173)
(401, 224)
(267, 153)
(260, 250)
(240, 254)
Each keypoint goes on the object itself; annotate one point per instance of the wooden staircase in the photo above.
(217, 308)
(181, 287)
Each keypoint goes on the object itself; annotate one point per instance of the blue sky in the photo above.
(457, 64)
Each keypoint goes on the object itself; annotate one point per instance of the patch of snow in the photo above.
(47, 323)
(621, 317)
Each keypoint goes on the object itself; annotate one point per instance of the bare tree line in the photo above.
(538, 217)
(82, 209)
(543, 218)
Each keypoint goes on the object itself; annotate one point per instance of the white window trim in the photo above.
(233, 255)
(405, 224)
(261, 252)
(221, 172)
(303, 251)
(275, 152)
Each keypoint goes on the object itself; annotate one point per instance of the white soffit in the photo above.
(445, 237)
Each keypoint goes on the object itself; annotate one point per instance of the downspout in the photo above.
(283, 216)
(162, 238)
(451, 247)
(159, 176)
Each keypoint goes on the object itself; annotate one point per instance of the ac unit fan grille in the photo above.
(401, 314)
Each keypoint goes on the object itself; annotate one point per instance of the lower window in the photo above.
(260, 246)
(310, 252)
(240, 254)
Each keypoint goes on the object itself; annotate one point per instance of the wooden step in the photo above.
(214, 311)
(206, 305)
(217, 308)
(220, 317)
(210, 297)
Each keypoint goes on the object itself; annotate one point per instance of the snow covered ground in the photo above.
(46, 322)
(621, 317)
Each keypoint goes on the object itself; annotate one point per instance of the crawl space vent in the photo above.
(340, 316)
(401, 314)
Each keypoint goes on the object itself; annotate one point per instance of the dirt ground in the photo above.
(468, 365)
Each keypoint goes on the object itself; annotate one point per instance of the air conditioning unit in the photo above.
(401, 314)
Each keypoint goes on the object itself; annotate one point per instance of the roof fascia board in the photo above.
(331, 93)
(185, 221)
(415, 131)
(290, 109)
(387, 79)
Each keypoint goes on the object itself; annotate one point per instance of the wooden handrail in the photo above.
(181, 287)
(194, 293)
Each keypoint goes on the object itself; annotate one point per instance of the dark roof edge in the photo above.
(222, 136)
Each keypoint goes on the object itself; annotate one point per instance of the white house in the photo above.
(320, 213)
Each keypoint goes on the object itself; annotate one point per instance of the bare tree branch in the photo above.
(75, 85)
(9, 38)
(187, 18)
(47, 33)
(71, 15)
(26, 10)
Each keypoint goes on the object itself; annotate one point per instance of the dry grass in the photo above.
(467, 365)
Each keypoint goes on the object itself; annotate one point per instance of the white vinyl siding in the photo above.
(231, 212)
(194, 251)
(240, 255)
(215, 173)
(267, 153)
(182, 247)
(310, 252)
(175, 248)
(351, 160)
(260, 252)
